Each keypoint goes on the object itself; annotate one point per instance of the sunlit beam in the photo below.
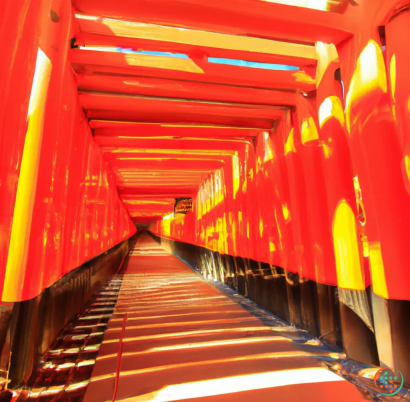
(249, 382)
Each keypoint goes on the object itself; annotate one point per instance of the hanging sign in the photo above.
(183, 205)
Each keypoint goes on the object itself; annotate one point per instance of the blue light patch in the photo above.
(252, 64)
(150, 53)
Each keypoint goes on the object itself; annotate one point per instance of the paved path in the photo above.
(173, 336)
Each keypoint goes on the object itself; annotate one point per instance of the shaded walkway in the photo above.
(173, 336)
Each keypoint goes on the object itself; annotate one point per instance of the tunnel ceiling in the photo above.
(172, 89)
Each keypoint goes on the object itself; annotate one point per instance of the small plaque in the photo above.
(183, 205)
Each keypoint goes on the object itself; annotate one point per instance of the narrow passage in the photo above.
(173, 336)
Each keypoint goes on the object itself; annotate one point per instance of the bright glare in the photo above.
(85, 17)
(241, 383)
(314, 4)
(99, 48)
(331, 107)
(41, 75)
(219, 343)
